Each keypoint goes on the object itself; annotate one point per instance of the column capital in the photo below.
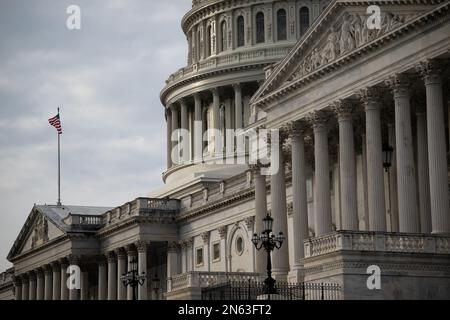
(223, 231)
(343, 109)
(215, 91)
(370, 97)
(63, 262)
(172, 246)
(430, 70)
(111, 257)
(102, 259)
(296, 128)
(173, 107)
(318, 120)
(120, 253)
(237, 86)
(399, 83)
(249, 222)
(32, 275)
(56, 267)
(197, 96)
(182, 102)
(48, 270)
(141, 245)
(131, 249)
(205, 237)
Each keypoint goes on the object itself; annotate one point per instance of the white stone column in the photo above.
(32, 285)
(112, 276)
(25, 287)
(142, 268)
(393, 181)
(185, 126)
(175, 127)
(121, 269)
(172, 259)
(260, 214)
(198, 128)
(169, 137)
(74, 294)
(278, 210)
(238, 105)
(423, 172)
(406, 172)
(375, 179)
(438, 171)
(131, 255)
(216, 118)
(322, 195)
(40, 294)
(56, 281)
(64, 277)
(84, 292)
(223, 230)
(18, 289)
(299, 197)
(102, 279)
(347, 166)
(48, 283)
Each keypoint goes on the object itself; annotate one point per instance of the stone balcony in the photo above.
(377, 241)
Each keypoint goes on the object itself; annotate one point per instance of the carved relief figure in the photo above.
(329, 52)
(347, 42)
(40, 233)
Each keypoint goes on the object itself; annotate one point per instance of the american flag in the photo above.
(56, 123)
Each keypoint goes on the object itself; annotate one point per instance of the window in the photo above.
(260, 36)
(198, 44)
(199, 256)
(304, 20)
(223, 29)
(239, 245)
(216, 251)
(208, 41)
(240, 31)
(281, 25)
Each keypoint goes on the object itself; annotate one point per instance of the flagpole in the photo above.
(59, 168)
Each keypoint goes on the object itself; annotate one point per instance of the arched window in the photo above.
(240, 31)
(304, 20)
(223, 30)
(281, 25)
(260, 36)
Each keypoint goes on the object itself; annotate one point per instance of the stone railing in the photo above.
(376, 241)
(230, 59)
(199, 279)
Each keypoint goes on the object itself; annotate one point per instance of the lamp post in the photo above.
(132, 277)
(269, 242)
(387, 163)
(155, 285)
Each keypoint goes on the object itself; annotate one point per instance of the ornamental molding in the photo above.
(331, 43)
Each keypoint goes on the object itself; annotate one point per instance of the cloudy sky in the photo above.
(106, 78)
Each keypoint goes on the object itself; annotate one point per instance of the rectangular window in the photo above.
(199, 256)
(216, 251)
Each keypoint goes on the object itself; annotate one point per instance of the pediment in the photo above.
(343, 29)
(36, 232)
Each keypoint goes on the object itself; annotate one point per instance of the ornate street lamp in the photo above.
(132, 277)
(155, 285)
(269, 242)
(387, 156)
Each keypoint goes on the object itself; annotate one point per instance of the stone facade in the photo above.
(339, 94)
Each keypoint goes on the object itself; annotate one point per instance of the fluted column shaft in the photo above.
(260, 214)
(423, 173)
(169, 137)
(238, 106)
(121, 269)
(102, 280)
(40, 291)
(64, 277)
(198, 128)
(131, 254)
(25, 288)
(375, 179)
(440, 207)
(406, 172)
(48, 283)
(142, 268)
(299, 195)
(112, 276)
(185, 126)
(322, 196)
(32, 287)
(175, 127)
(56, 281)
(18, 289)
(347, 167)
(279, 213)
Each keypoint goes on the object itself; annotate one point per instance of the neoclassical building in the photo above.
(363, 119)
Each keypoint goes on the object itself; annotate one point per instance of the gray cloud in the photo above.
(106, 77)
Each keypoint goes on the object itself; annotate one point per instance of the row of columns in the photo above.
(194, 147)
(50, 281)
(432, 168)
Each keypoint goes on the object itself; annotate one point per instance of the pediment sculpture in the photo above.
(349, 33)
(40, 232)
